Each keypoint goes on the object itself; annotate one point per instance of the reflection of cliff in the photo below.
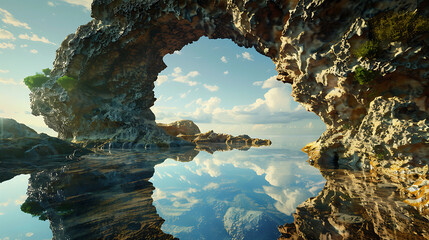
(100, 197)
(357, 205)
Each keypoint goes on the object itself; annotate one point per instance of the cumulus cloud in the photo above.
(277, 106)
(161, 79)
(51, 4)
(84, 3)
(8, 18)
(7, 45)
(226, 72)
(34, 51)
(211, 186)
(9, 81)
(177, 52)
(178, 77)
(223, 59)
(29, 234)
(35, 38)
(211, 88)
(5, 34)
(247, 56)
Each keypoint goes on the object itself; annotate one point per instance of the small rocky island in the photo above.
(210, 141)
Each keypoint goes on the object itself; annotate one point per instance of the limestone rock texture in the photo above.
(358, 205)
(184, 127)
(117, 56)
(21, 145)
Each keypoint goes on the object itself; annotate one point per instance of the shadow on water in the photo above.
(109, 196)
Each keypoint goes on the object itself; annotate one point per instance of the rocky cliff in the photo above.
(347, 61)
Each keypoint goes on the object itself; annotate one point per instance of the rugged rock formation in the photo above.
(211, 141)
(116, 58)
(358, 205)
(20, 141)
(183, 127)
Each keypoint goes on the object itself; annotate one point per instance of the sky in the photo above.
(215, 83)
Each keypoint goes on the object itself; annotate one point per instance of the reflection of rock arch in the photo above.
(116, 58)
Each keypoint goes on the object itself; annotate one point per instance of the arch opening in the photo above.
(229, 89)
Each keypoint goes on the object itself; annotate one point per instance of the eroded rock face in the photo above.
(358, 205)
(184, 127)
(116, 58)
(21, 145)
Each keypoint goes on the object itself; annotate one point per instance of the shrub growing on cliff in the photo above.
(37, 80)
(364, 76)
(68, 83)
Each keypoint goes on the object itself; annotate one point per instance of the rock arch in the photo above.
(116, 58)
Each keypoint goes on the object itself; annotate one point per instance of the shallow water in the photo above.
(119, 194)
(187, 194)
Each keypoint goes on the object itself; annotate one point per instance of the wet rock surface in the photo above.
(358, 205)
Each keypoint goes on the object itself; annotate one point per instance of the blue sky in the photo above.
(215, 83)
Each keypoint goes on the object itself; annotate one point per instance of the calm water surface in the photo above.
(144, 195)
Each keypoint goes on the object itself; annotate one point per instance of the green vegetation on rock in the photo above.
(393, 27)
(68, 83)
(369, 49)
(37, 80)
(34, 208)
(365, 76)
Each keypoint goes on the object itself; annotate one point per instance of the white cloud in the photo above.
(177, 52)
(223, 59)
(5, 34)
(9, 81)
(178, 77)
(51, 4)
(168, 99)
(4, 204)
(7, 45)
(211, 88)
(4, 71)
(1, 213)
(23, 45)
(237, 55)
(20, 200)
(8, 18)
(211, 186)
(226, 72)
(35, 38)
(185, 94)
(34, 51)
(258, 83)
(161, 79)
(247, 56)
(84, 3)
(271, 82)
(29, 234)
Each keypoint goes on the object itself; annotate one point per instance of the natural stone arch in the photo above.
(116, 58)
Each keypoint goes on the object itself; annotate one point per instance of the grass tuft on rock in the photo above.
(365, 76)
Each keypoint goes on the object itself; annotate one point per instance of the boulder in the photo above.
(185, 127)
